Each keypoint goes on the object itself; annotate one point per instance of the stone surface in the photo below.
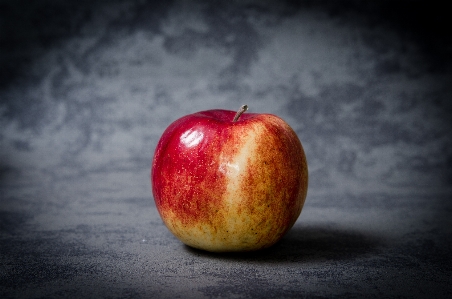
(87, 88)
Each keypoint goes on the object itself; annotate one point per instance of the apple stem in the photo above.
(239, 113)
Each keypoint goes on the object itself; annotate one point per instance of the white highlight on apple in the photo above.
(227, 167)
(191, 138)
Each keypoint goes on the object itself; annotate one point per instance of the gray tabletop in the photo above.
(87, 89)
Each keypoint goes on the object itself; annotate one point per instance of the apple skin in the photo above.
(225, 186)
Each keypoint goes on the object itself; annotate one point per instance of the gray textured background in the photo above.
(87, 88)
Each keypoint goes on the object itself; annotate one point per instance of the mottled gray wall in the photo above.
(96, 83)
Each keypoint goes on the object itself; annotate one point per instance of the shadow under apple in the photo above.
(308, 244)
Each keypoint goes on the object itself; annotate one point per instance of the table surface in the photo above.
(87, 90)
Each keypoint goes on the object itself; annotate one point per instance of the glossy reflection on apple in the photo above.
(229, 181)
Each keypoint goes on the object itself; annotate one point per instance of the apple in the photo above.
(225, 181)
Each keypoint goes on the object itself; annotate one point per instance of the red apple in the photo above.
(226, 181)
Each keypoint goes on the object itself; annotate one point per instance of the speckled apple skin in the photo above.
(225, 186)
